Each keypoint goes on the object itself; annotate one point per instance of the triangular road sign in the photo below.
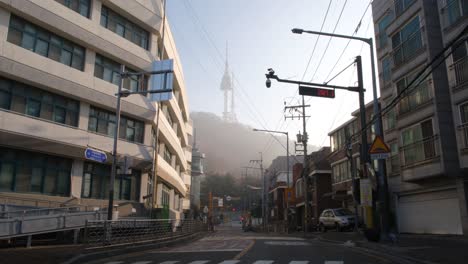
(379, 146)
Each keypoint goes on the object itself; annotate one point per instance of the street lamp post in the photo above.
(124, 93)
(287, 162)
(382, 180)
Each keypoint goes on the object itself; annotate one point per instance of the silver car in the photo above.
(339, 219)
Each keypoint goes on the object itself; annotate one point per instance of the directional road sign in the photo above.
(95, 155)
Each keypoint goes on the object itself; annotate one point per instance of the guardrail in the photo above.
(25, 226)
(39, 212)
(104, 233)
(11, 200)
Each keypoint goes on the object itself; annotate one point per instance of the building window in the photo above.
(391, 119)
(454, 10)
(407, 42)
(418, 143)
(45, 43)
(415, 96)
(32, 101)
(104, 122)
(342, 172)
(386, 70)
(393, 163)
(167, 155)
(402, 5)
(123, 27)
(28, 172)
(460, 63)
(80, 6)
(96, 183)
(109, 70)
(166, 196)
(464, 123)
(383, 24)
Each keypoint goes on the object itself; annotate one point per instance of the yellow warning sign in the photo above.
(379, 146)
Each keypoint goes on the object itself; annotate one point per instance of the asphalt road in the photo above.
(231, 246)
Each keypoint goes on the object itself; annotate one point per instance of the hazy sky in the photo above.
(259, 37)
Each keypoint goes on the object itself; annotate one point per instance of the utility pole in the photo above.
(303, 139)
(349, 155)
(264, 192)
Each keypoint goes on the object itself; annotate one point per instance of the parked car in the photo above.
(339, 219)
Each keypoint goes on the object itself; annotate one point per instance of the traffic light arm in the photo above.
(271, 75)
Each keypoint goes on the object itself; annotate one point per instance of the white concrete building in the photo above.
(59, 65)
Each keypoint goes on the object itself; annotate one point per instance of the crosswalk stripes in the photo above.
(299, 262)
(263, 262)
(230, 262)
(334, 262)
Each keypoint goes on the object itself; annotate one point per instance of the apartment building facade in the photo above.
(59, 69)
(427, 185)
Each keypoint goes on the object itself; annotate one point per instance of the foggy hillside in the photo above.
(229, 146)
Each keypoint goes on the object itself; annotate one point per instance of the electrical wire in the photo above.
(420, 77)
(329, 40)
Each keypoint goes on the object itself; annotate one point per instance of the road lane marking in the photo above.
(199, 262)
(333, 262)
(286, 243)
(241, 254)
(299, 262)
(169, 262)
(199, 250)
(230, 262)
(263, 262)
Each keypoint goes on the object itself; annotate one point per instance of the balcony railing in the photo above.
(460, 70)
(420, 151)
(453, 11)
(408, 49)
(463, 130)
(418, 96)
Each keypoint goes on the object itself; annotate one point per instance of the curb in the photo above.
(85, 257)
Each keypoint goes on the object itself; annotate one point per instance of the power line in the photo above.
(420, 77)
(349, 41)
(329, 40)
(281, 122)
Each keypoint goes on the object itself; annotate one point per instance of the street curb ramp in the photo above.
(122, 250)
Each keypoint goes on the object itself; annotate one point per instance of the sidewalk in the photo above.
(425, 248)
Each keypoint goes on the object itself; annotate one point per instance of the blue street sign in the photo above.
(95, 155)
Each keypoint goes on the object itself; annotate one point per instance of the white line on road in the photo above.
(230, 262)
(286, 243)
(299, 262)
(333, 262)
(169, 262)
(197, 251)
(263, 262)
(199, 262)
